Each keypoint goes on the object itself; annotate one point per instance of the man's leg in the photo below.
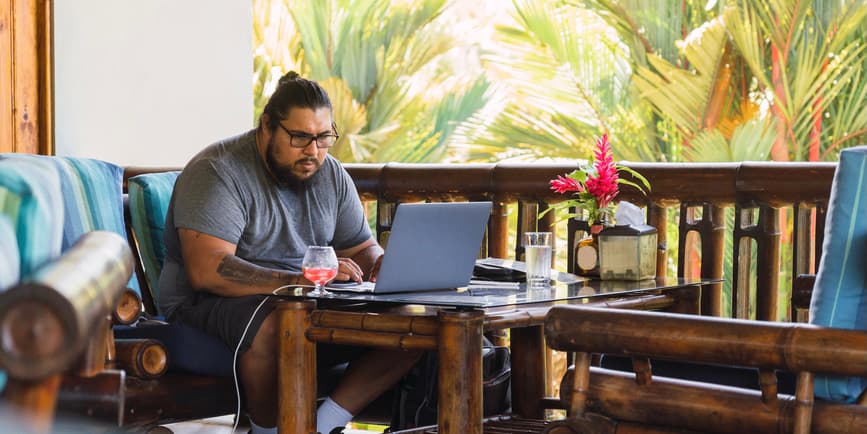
(371, 375)
(367, 377)
(258, 374)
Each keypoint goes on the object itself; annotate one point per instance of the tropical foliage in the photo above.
(383, 65)
(755, 79)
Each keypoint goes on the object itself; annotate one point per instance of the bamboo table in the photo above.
(451, 323)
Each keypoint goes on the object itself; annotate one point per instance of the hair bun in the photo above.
(289, 76)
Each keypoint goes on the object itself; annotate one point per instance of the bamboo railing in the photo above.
(697, 194)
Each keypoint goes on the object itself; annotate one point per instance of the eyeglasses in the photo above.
(302, 140)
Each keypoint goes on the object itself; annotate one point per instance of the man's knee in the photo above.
(265, 340)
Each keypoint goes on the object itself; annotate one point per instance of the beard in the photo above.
(283, 172)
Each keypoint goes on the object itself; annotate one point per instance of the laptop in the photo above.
(431, 246)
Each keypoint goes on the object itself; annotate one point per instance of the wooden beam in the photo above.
(26, 82)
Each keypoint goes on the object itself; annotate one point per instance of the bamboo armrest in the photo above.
(764, 345)
(49, 318)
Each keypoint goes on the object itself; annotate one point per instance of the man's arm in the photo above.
(211, 265)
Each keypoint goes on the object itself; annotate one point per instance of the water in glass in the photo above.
(537, 256)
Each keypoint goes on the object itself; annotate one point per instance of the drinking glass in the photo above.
(319, 266)
(537, 256)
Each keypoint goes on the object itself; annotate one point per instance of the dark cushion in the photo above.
(189, 349)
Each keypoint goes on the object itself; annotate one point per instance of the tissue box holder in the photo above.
(627, 252)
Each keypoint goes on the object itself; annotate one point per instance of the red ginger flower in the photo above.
(603, 186)
(594, 187)
(562, 185)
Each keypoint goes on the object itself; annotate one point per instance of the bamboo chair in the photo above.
(642, 398)
(829, 357)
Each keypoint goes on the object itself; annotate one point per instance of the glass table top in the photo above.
(499, 295)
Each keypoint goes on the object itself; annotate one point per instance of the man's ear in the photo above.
(263, 121)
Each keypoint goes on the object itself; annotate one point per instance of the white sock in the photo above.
(331, 415)
(256, 429)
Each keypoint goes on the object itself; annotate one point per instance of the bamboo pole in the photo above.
(460, 372)
(296, 369)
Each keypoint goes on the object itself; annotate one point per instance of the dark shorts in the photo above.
(227, 317)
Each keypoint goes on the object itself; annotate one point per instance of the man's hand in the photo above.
(347, 270)
(366, 256)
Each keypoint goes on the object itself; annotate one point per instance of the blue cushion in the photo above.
(149, 197)
(840, 292)
(99, 199)
(92, 196)
(30, 198)
(10, 263)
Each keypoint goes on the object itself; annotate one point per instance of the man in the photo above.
(241, 216)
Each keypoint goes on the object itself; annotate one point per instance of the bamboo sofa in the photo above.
(63, 275)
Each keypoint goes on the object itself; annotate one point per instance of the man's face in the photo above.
(289, 163)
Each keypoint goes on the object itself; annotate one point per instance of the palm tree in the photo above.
(558, 89)
(809, 58)
(382, 63)
(804, 60)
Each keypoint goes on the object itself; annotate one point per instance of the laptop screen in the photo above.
(432, 246)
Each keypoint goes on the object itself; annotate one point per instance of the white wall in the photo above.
(150, 82)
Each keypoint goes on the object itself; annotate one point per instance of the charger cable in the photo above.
(238, 348)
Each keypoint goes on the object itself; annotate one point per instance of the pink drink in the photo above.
(320, 276)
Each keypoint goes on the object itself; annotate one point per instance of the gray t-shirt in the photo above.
(225, 191)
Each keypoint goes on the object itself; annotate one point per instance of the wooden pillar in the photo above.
(657, 216)
(803, 403)
(767, 263)
(712, 258)
(528, 371)
(711, 230)
(460, 372)
(35, 400)
(296, 370)
(498, 231)
(26, 82)
(580, 385)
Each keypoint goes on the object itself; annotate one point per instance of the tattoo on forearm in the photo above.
(237, 270)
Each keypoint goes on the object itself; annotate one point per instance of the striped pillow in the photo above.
(149, 196)
(10, 263)
(97, 188)
(30, 199)
(840, 292)
(92, 197)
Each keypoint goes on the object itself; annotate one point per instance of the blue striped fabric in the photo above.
(98, 191)
(30, 199)
(10, 263)
(92, 197)
(149, 196)
(840, 292)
